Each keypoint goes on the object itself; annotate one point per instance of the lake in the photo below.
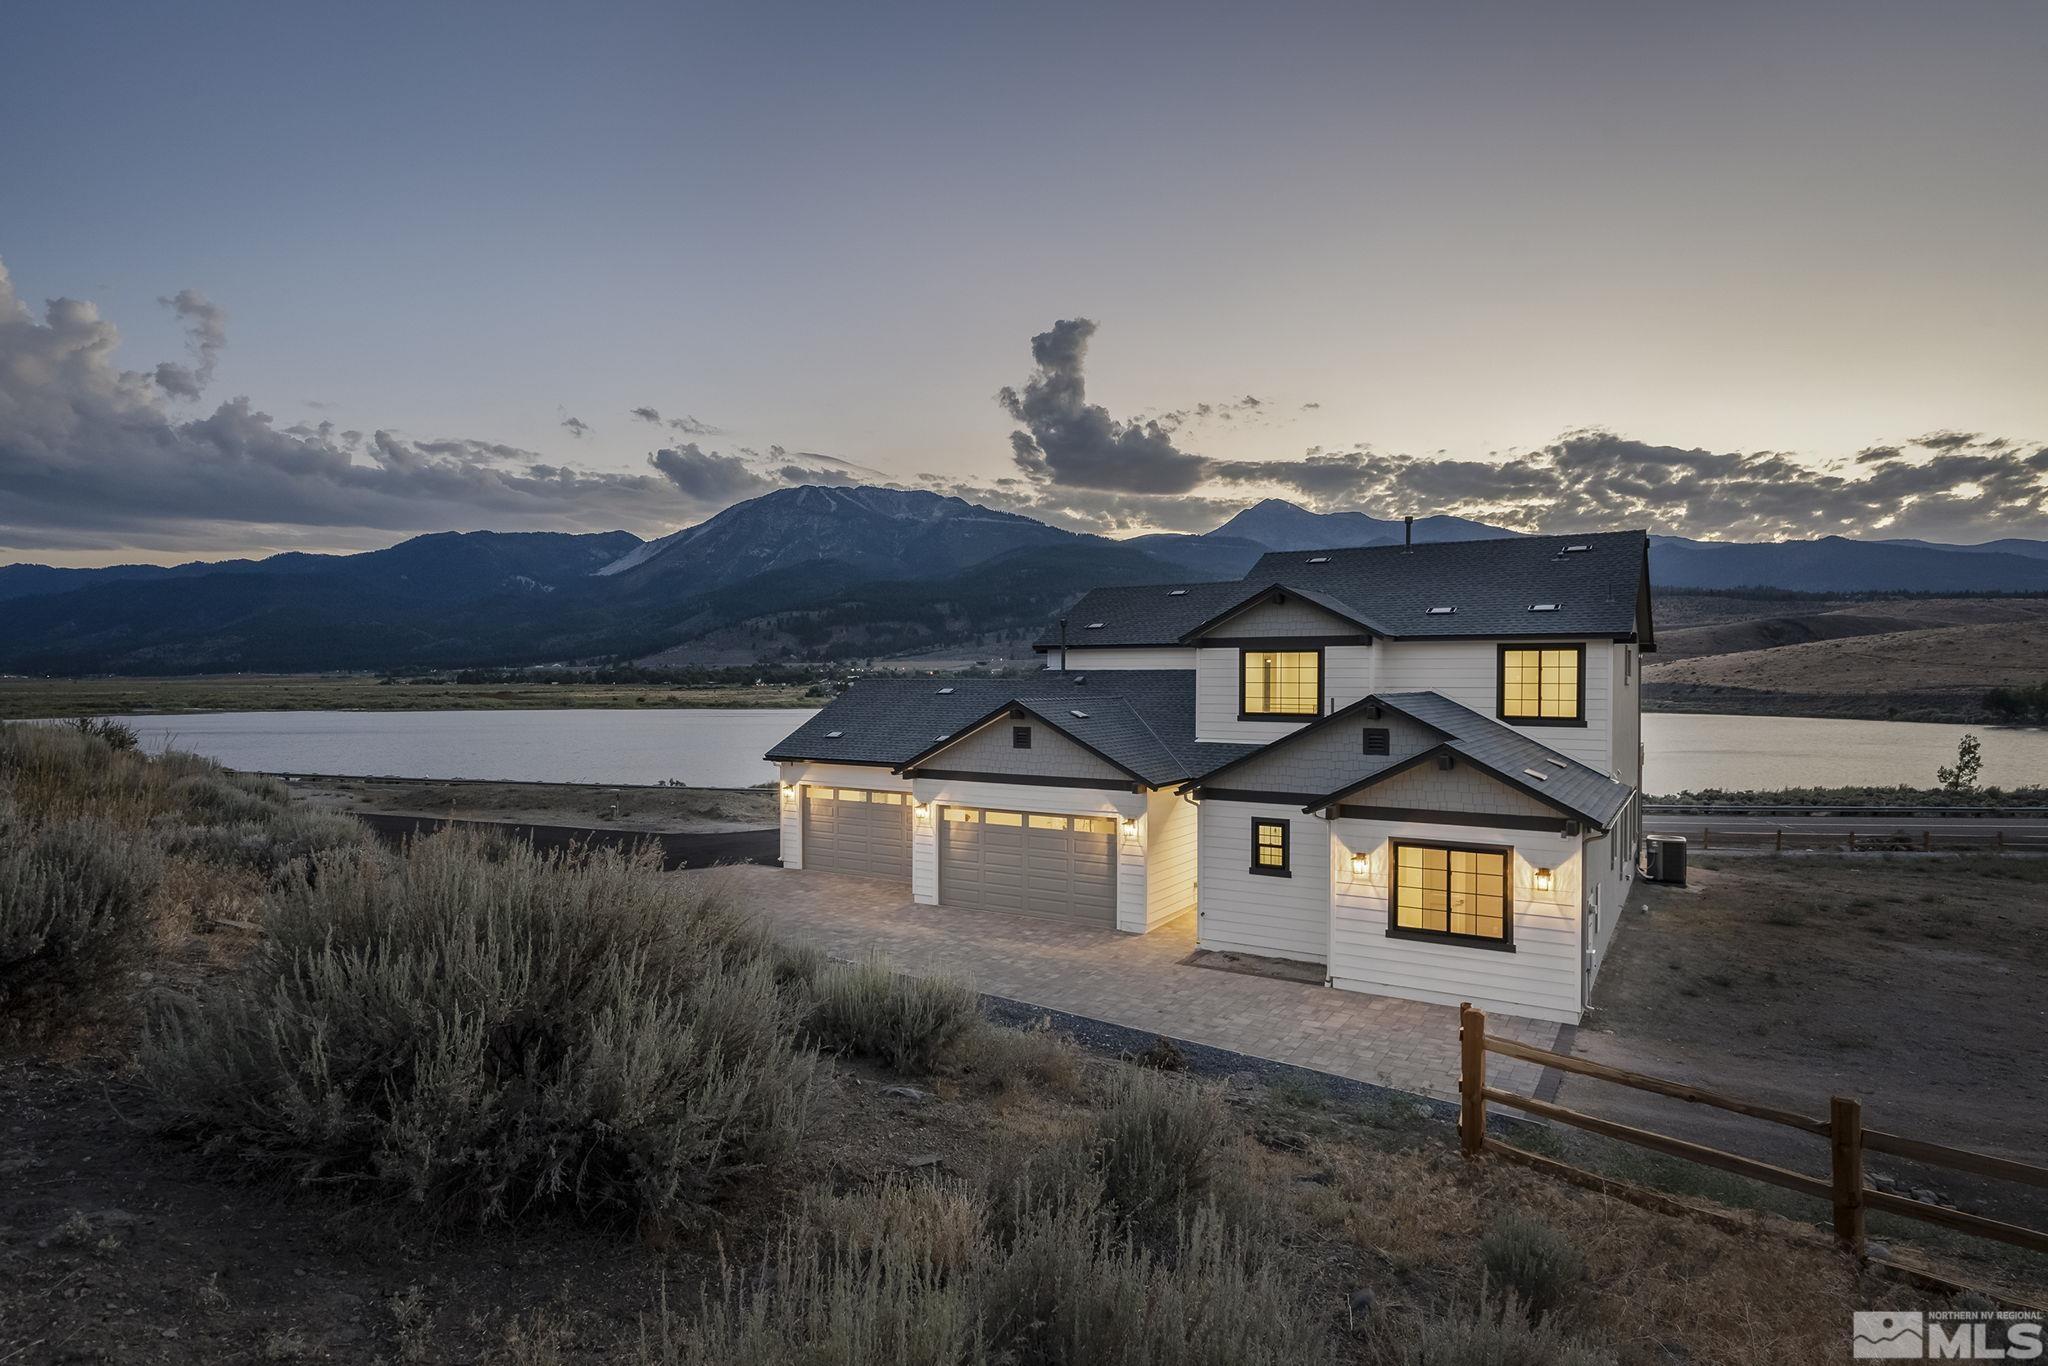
(715, 748)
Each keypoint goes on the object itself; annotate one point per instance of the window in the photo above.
(1269, 848)
(1543, 685)
(1377, 740)
(1048, 822)
(1281, 683)
(1094, 825)
(1020, 737)
(1001, 818)
(1444, 891)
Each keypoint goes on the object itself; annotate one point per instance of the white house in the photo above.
(1417, 766)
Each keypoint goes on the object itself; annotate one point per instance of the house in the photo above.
(1416, 766)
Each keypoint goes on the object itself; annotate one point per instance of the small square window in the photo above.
(1020, 737)
(1378, 740)
(1269, 849)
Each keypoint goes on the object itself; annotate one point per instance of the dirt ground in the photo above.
(656, 810)
(1911, 984)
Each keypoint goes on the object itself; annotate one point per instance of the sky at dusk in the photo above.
(281, 277)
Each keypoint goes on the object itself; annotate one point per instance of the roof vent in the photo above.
(1442, 611)
(1538, 774)
(1080, 680)
(1176, 592)
(1574, 549)
(1075, 712)
(1319, 559)
(945, 692)
(834, 734)
(1094, 626)
(1543, 607)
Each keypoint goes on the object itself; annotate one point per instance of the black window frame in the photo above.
(1020, 737)
(1383, 734)
(1396, 930)
(1285, 867)
(1500, 685)
(1281, 647)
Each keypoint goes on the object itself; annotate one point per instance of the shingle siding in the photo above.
(1463, 789)
(1052, 755)
(1293, 617)
(1325, 760)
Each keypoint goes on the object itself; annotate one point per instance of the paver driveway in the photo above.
(1138, 981)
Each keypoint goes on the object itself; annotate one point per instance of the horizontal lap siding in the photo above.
(1469, 674)
(1539, 979)
(1168, 864)
(1279, 917)
(1216, 703)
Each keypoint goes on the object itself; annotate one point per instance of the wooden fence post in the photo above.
(1845, 1143)
(1706, 838)
(1781, 839)
(1471, 1080)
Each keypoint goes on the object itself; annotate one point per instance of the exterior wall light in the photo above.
(789, 790)
(1542, 880)
(1130, 828)
(1361, 863)
(924, 811)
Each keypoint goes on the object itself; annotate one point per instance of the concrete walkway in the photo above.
(1138, 981)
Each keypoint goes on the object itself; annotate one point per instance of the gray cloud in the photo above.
(576, 427)
(686, 424)
(1071, 442)
(206, 333)
(715, 477)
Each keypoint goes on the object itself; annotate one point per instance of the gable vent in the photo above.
(1538, 774)
(1543, 607)
(1378, 740)
(1082, 714)
(1442, 611)
(834, 734)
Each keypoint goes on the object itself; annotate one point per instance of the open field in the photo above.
(29, 698)
(1908, 659)
(1908, 983)
(663, 810)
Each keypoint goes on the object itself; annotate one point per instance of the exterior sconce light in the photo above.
(789, 790)
(1360, 862)
(1542, 880)
(924, 811)
(1130, 828)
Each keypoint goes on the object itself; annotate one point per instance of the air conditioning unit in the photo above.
(1664, 858)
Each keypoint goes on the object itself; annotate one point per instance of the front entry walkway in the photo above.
(1138, 981)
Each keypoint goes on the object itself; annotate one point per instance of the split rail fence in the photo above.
(1848, 1140)
(1929, 841)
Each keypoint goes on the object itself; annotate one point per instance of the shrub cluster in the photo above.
(73, 917)
(483, 1031)
(913, 1024)
(1533, 1261)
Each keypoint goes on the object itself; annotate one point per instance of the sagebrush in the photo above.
(914, 1024)
(484, 1032)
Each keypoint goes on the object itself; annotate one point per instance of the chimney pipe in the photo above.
(1063, 644)
(1408, 530)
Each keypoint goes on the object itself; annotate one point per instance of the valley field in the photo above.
(1886, 658)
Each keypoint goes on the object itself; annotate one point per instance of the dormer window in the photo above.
(1279, 685)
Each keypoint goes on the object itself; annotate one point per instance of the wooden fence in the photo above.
(1929, 841)
(1845, 1189)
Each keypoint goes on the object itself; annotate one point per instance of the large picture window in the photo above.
(1444, 891)
(1280, 683)
(1543, 685)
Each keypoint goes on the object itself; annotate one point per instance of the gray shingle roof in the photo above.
(1140, 719)
(1511, 753)
(1493, 584)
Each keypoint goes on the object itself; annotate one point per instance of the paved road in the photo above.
(677, 851)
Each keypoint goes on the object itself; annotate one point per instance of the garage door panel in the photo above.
(1060, 867)
(858, 831)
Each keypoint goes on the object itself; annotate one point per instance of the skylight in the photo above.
(1575, 549)
(1442, 611)
(1095, 626)
(1176, 592)
(1074, 712)
(1538, 774)
(1543, 607)
(1319, 559)
(834, 734)
(945, 692)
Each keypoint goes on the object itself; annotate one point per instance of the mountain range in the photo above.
(802, 573)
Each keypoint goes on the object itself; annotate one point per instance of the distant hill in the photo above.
(1836, 564)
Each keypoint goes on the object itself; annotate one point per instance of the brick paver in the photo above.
(1138, 981)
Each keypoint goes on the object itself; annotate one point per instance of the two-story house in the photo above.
(1417, 766)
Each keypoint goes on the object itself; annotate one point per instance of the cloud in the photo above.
(715, 477)
(687, 425)
(576, 427)
(1071, 442)
(206, 333)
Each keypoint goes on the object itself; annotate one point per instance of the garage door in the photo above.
(1063, 867)
(853, 830)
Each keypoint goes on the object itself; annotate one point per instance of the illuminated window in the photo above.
(1269, 848)
(1281, 682)
(1451, 893)
(1543, 685)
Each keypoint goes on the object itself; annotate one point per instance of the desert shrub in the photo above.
(1533, 1260)
(914, 1024)
(1062, 1291)
(267, 846)
(486, 1034)
(1158, 1144)
(1499, 1333)
(1009, 1059)
(74, 917)
(219, 798)
(116, 735)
